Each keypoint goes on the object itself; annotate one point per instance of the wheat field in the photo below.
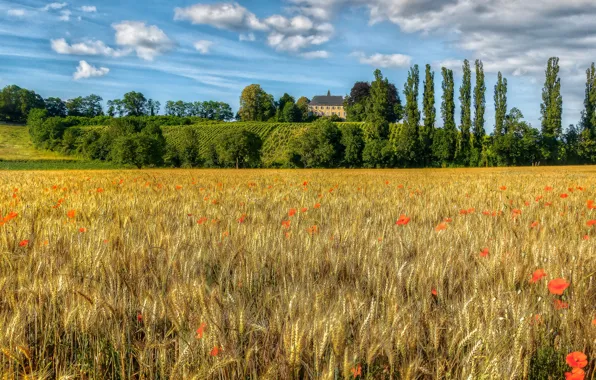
(396, 274)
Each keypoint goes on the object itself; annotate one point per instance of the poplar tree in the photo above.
(430, 114)
(500, 105)
(587, 132)
(551, 110)
(407, 147)
(449, 144)
(479, 108)
(465, 98)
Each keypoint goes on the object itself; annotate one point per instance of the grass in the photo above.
(198, 273)
(16, 145)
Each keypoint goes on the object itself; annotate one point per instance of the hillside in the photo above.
(16, 145)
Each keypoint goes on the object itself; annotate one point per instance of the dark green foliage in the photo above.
(355, 103)
(465, 98)
(319, 146)
(479, 109)
(56, 107)
(383, 102)
(427, 128)
(445, 149)
(377, 153)
(587, 132)
(134, 104)
(238, 148)
(352, 140)
(137, 149)
(520, 144)
(407, 144)
(551, 110)
(256, 104)
(500, 99)
(16, 102)
(291, 113)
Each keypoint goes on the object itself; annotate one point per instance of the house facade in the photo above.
(327, 105)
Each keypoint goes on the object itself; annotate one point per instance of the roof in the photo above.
(327, 100)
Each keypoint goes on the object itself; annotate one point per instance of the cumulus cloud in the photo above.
(296, 33)
(54, 6)
(90, 47)
(65, 15)
(230, 16)
(148, 41)
(203, 46)
(85, 70)
(319, 54)
(384, 60)
(17, 12)
(89, 8)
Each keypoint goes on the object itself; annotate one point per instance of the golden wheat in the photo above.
(204, 274)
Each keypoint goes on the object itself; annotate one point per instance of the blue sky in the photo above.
(191, 50)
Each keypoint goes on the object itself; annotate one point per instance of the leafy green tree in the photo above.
(448, 135)
(353, 143)
(16, 102)
(291, 113)
(479, 109)
(75, 106)
(239, 148)
(377, 153)
(56, 107)
(551, 110)
(116, 108)
(91, 106)
(587, 133)
(319, 146)
(500, 99)
(256, 104)
(153, 107)
(427, 129)
(407, 146)
(520, 144)
(571, 145)
(378, 108)
(302, 103)
(465, 98)
(355, 103)
(281, 104)
(135, 104)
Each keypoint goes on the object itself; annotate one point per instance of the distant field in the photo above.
(298, 274)
(16, 145)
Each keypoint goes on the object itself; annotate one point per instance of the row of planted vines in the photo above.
(298, 274)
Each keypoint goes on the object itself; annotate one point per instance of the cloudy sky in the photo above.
(181, 49)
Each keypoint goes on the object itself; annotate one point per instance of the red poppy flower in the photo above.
(286, 224)
(292, 212)
(71, 213)
(563, 196)
(441, 227)
(82, 230)
(448, 220)
(484, 252)
(575, 374)
(317, 205)
(434, 292)
(557, 286)
(503, 188)
(313, 230)
(201, 330)
(546, 204)
(24, 243)
(591, 223)
(139, 317)
(485, 212)
(577, 359)
(202, 220)
(304, 209)
(100, 190)
(214, 351)
(357, 371)
(178, 187)
(548, 188)
(463, 212)
(538, 198)
(591, 204)
(403, 220)
(534, 224)
(242, 218)
(516, 212)
(586, 237)
(537, 275)
(560, 305)
(594, 322)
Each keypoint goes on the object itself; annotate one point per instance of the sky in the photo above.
(191, 51)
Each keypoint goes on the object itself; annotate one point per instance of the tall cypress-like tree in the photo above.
(479, 108)
(587, 132)
(407, 147)
(465, 98)
(377, 110)
(500, 105)
(448, 114)
(551, 110)
(430, 115)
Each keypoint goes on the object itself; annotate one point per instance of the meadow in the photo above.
(286, 274)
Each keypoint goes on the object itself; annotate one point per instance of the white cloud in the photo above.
(65, 15)
(85, 70)
(54, 6)
(250, 37)
(203, 46)
(319, 54)
(230, 16)
(90, 47)
(384, 60)
(17, 12)
(89, 8)
(148, 41)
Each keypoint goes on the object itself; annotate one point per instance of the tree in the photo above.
(353, 143)
(291, 113)
(448, 136)
(116, 108)
(427, 129)
(56, 107)
(520, 144)
(135, 104)
(551, 110)
(355, 103)
(75, 106)
(479, 108)
(91, 106)
(281, 104)
(153, 107)
(587, 132)
(500, 99)
(318, 146)
(378, 107)
(16, 102)
(407, 144)
(256, 104)
(302, 105)
(239, 148)
(465, 98)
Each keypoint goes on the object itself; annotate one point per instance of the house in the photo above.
(327, 105)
